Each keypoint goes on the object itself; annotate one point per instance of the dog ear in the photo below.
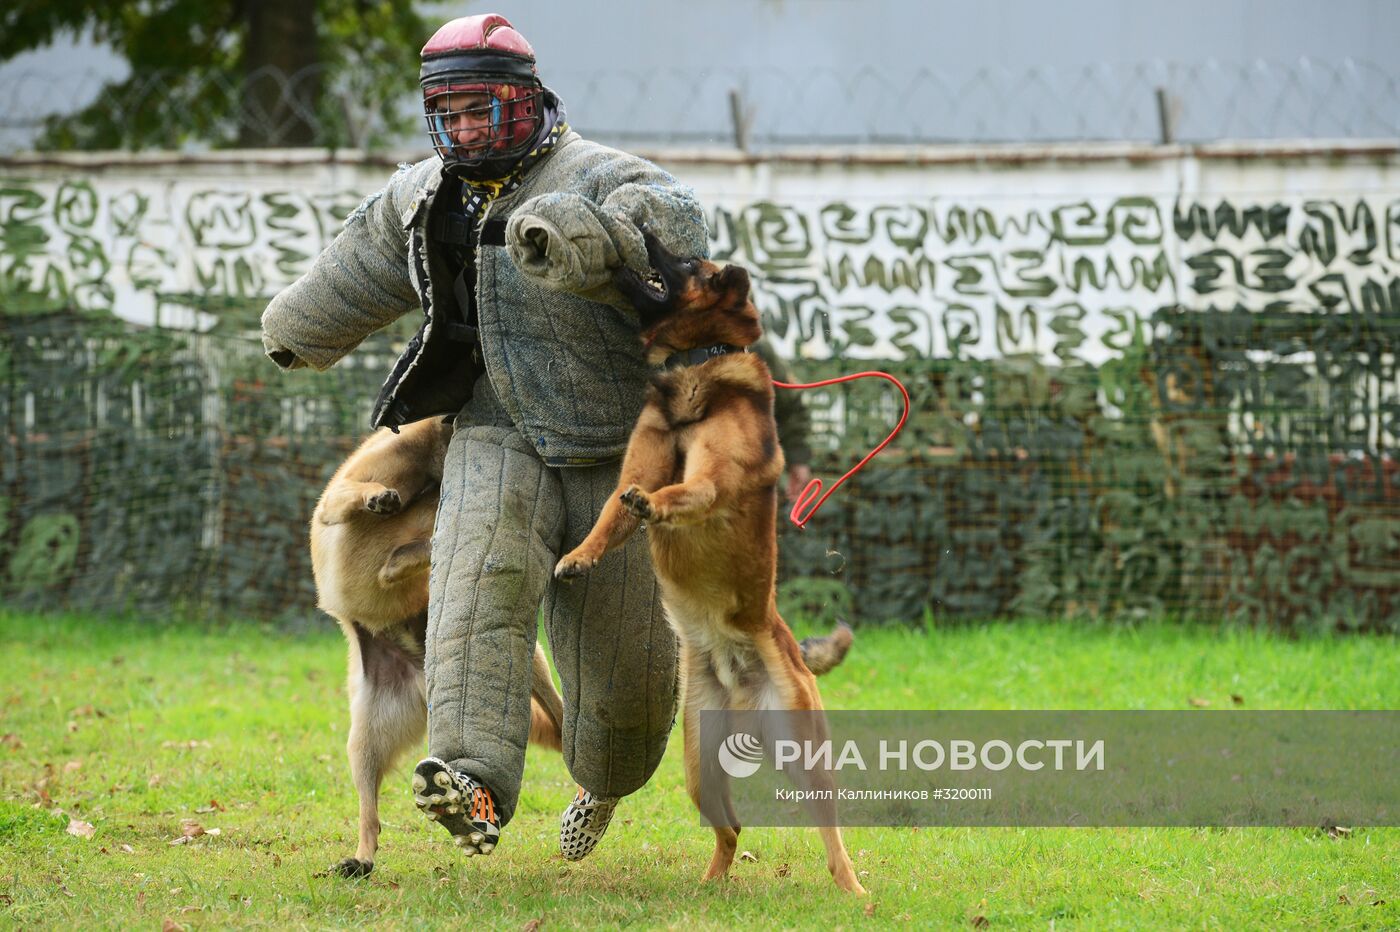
(734, 281)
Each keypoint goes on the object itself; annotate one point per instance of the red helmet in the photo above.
(481, 95)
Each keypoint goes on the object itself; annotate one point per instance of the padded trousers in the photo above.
(503, 521)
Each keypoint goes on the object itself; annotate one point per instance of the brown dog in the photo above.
(702, 469)
(371, 536)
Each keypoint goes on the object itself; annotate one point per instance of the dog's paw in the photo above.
(572, 566)
(637, 502)
(384, 503)
(353, 867)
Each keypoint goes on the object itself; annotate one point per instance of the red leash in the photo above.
(814, 488)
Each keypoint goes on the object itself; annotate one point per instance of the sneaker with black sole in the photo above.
(459, 804)
(583, 824)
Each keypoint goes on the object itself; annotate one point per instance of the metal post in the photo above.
(736, 118)
(1164, 117)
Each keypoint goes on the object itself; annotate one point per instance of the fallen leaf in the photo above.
(1237, 699)
(1336, 831)
(748, 856)
(214, 806)
(128, 849)
(6, 899)
(72, 726)
(80, 828)
(11, 741)
(1343, 899)
(170, 925)
(980, 922)
(190, 828)
(154, 781)
(870, 910)
(1198, 702)
(532, 925)
(72, 765)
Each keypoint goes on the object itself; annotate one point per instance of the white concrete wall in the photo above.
(1059, 252)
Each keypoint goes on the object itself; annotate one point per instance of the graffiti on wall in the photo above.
(169, 253)
(1061, 280)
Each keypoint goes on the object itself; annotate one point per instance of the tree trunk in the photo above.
(282, 75)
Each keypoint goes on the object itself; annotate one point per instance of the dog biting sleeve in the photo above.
(567, 242)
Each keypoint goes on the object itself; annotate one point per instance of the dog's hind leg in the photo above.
(706, 783)
(388, 714)
(546, 705)
(796, 690)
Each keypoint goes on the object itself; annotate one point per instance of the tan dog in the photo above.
(371, 536)
(702, 469)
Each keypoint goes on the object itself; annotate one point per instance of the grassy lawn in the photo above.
(134, 728)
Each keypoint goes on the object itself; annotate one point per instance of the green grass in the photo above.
(133, 728)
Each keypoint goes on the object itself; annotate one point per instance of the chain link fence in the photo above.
(1215, 473)
(760, 107)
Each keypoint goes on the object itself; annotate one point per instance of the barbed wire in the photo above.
(1161, 101)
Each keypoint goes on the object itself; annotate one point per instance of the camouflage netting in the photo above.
(1233, 466)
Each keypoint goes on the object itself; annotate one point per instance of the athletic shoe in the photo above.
(583, 824)
(459, 804)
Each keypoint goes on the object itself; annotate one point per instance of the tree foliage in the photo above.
(232, 72)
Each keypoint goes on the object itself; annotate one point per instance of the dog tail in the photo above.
(825, 653)
(546, 705)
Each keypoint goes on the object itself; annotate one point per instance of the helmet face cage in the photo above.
(475, 122)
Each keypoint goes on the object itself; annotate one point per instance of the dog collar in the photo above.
(694, 357)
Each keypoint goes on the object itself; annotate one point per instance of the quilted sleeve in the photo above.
(357, 285)
(572, 243)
